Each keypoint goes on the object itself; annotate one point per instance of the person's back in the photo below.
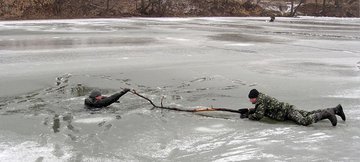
(270, 107)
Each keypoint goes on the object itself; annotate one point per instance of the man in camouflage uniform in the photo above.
(270, 107)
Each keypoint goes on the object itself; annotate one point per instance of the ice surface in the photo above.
(311, 62)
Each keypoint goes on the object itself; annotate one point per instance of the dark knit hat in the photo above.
(95, 93)
(253, 93)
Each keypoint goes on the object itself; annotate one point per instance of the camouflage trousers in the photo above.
(302, 117)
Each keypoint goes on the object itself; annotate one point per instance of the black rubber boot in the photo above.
(326, 114)
(338, 110)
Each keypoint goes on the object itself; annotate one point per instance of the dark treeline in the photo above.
(45, 9)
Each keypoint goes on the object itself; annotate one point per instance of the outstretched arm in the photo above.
(111, 99)
(244, 112)
(257, 113)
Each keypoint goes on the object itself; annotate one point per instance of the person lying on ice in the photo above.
(270, 107)
(96, 100)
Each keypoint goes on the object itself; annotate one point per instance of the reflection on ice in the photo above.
(212, 130)
(93, 120)
(176, 39)
(313, 138)
(276, 131)
(240, 44)
(70, 42)
(349, 94)
(32, 151)
(303, 66)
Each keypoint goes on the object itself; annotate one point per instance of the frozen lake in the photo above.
(309, 62)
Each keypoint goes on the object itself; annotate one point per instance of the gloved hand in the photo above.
(252, 111)
(244, 115)
(243, 110)
(126, 90)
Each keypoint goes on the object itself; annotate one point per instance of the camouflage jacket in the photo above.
(270, 107)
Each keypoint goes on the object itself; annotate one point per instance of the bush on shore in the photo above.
(59, 9)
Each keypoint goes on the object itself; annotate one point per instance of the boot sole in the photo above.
(341, 112)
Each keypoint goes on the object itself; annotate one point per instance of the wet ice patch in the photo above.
(348, 52)
(75, 99)
(237, 150)
(316, 137)
(256, 140)
(94, 120)
(32, 151)
(176, 39)
(276, 131)
(196, 144)
(207, 130)
(236, 37)
(78, 25)
(213, 129)
(239, 44)
(209, 146)
(245, 152)
(217, 125)
(349, 93)
(166, 19)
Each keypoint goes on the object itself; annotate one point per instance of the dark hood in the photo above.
(94, 94)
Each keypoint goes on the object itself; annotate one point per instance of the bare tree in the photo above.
(338, 5)
(157, 7)
(257, 2)
(107, 5)
(144, 5)
(297, 7)
(323, 7)
(292, 7)
(350, 2)
(294, 10)
(57, 6)
(2, 8)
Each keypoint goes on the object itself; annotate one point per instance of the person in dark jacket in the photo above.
(266, 106)
(96, 100)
